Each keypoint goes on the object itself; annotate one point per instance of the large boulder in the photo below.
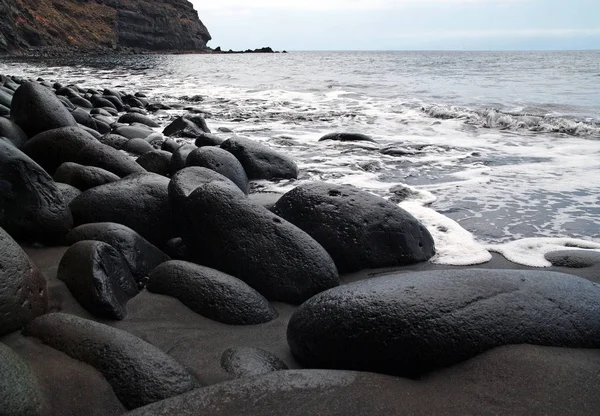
(137, 118)
(220, 161)
(133, 132)
(23, 292)
(140, 202)
(108, 158)
(411, 323)
(12, 132)
(156, 161)
(83, 177)
(249, 361)
(186, 181)
(68, 192)
(211, 293)
(228, 233)
(179, 157)
(141, 256)
(137, 146)
(53, 147)
(260, 161)
(99, 278)
(139, 372)
(114, 140)
(36, 109)
(31, 206)
(359, 230)
(20, 394)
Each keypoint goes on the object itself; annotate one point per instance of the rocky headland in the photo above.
(142, 273)
(100, 26)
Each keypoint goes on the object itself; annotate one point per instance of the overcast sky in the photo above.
(402, 24)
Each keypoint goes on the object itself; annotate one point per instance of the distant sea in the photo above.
(487, 147)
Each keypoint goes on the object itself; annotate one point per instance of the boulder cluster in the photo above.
(165, 209)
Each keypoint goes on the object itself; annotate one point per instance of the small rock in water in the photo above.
(347, 137)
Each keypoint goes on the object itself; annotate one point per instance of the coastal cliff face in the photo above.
(94, 25)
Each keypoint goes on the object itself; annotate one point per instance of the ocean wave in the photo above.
(498, 119)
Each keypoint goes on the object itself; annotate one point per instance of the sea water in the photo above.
(493, 151)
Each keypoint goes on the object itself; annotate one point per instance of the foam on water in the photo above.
(479, 164)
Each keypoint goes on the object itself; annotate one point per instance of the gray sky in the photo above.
(402, 24)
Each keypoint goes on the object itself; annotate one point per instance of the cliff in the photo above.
(95, 25)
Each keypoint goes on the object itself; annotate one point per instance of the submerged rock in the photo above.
(359, 230)
(139, 372)
(411, 323)
(347, 137)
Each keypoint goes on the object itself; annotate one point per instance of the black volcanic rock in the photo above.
(248, 362)
(23, 291)
(211, 293)
(260, 161)
(108, 158)
(31, 206)
(227, 232)
(359, 230)
(220, 161)
(140, 202)
(99, 278)
(53, 147)
(36, 109)
(83, 177)
(12, 132)
(139, 372)
(141, 256)
(156, 161)
(347, 137)
(411, 323)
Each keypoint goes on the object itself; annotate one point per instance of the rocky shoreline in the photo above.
(141, 273)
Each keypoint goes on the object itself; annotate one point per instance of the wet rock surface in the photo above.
(139, 373)
(32, 207)
(413, 323)
(83, 177)
(23, 289)
(99, 278)
(248, 362)
(222, 162)
(211, 293)
(359, 230)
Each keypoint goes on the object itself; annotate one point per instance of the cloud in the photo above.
(326, 5)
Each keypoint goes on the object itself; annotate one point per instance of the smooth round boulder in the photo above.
(114, 140)
(53, 147)
(576, 259)
(36, 109)
(248, 362)
(32, 207)
(248, 241)
(208, 139)
(102, 102)
(83, 177)
(108, 158)
(20, 394)
(186, 181)
(347, 137)
(140, 202)
(359, 230)
(137, 146)
(23, 291)
(220, 161)
(5, 98)
(84, 118)
(260, 161)
(12, 132)
(170, 145)
(211, 293)
(180, 155)
(412, 323)
(182, 127)
(81, 102)
(98, 278)
(156, 161)
(138, 372)
(137, 118)
(133, 132)
(141, 256)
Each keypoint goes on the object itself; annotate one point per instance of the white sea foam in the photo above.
(531, 251)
